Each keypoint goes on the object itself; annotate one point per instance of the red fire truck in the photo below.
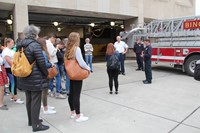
(174, 41)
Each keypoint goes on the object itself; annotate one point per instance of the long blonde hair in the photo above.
(72, 43)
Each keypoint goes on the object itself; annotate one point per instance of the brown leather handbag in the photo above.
(74, 71)
(52, 72)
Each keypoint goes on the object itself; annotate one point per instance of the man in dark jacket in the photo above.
(147, 61)
(37, 80)
(138, 49)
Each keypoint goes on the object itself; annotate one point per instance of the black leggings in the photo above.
(113, 75)
(74, 95)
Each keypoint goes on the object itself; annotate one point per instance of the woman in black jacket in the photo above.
(37, 80)
(113, 65)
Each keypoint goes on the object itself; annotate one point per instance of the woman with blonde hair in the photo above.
(8, 55)
(88, 52)
(74, 52)
(112, 71)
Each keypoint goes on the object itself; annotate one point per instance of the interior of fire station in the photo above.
(100, 28)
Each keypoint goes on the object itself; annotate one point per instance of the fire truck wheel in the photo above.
(190, 64)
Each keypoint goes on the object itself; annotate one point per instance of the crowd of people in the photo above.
(49, 51)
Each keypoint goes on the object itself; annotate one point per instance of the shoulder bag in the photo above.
(74, 71)
(52, 72)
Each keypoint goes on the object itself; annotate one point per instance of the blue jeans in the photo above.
(121, 59)
(62, 71)
(12, 84)
(67, 83)
(58, 81)
(88, 60)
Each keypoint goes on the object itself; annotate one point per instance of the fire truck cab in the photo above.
(174, 41)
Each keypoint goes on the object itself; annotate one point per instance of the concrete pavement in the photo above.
(169, 105)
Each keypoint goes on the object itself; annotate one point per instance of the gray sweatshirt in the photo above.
(79, 58)
(88, 49)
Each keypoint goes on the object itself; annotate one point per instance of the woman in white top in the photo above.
(88, 52)
(8, 55)
(74, 52)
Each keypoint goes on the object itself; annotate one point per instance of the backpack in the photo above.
(197, 72)
(21, 66)
(60, 57)
(113, 62)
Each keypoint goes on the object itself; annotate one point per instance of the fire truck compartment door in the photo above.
(178, 55)
(167, 54)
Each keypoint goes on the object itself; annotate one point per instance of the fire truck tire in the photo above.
(190, 64)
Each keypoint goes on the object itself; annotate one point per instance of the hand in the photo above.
(57, 46)
(142, 54)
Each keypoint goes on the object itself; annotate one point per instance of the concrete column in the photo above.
(130, 23)
(137, 21)
(140, 13)
(20, 17)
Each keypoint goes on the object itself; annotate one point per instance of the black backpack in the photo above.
(113, 62)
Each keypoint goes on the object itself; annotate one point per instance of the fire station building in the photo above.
(100, 19)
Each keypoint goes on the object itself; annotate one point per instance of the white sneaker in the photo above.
(60, 96)
(19, 101)
(82, 118)
(51, 94)
(72, 116)
(49, 112)
(49, 107)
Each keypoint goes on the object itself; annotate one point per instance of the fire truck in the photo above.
(174, 41)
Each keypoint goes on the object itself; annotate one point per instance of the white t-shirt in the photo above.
(7, 52)
(120, 46)
(52, 52)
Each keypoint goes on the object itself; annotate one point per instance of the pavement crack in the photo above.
(51, 125)
(141, 111)
(184, 120)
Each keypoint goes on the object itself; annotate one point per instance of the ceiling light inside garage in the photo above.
(9, 21)
(55, 23)
(92, 24)
(112, 23)
(59, 29)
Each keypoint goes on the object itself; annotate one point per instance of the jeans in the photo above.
(62, 71)
(58, 81)
(67, 83)
(121, 59)
(12, 82)
(88, 60)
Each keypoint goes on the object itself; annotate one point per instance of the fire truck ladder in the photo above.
(171, 27)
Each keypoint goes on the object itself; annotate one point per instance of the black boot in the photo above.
(40, 127)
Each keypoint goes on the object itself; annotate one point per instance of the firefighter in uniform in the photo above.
(147, 61)
(138, 49)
